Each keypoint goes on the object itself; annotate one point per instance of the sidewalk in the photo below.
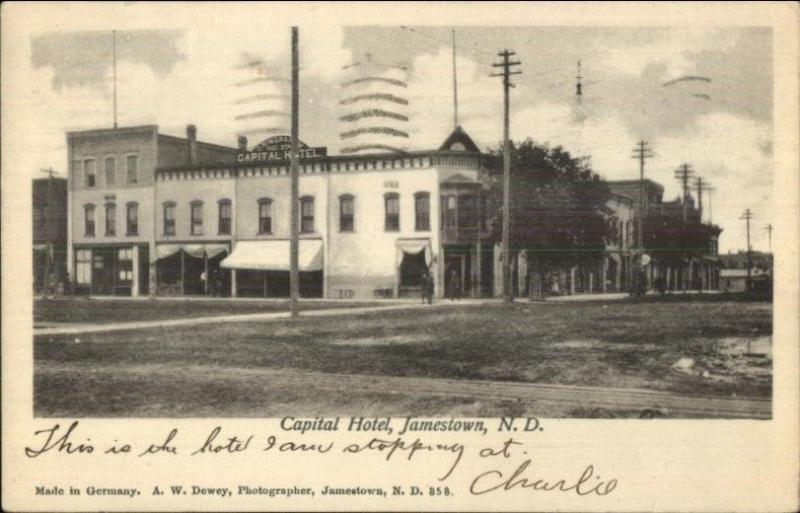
(74, 329)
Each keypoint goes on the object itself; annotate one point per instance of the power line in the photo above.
(506, 64)
(769, 234)
(747, 215)
(684, 174)
(641, 152)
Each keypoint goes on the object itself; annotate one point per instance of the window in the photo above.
(449, 212)
(111, 171)
(111, 219)
(307, 214)
(346, 223)
(125, 264)
(83, 267)
(132, 219)
(88, 215)
(196, 218)
(265, 215)
(88, 172)
(133, 168)
(169, 218)
(392, 202)
(422, 211)
(467, 211)
(224, 224)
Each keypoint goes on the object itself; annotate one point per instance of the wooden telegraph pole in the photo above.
(747, 215)
(506, 74)
(684, 174)
(641, 152)
(294, 274)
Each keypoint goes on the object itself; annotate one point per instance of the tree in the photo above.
(558, 204)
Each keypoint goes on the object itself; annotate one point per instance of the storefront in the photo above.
(111, 269)
(261, 268)
(192, 269)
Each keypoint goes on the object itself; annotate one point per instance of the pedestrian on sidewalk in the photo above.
(427, 287)
(455, 285)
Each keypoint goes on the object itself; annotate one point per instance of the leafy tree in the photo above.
(558, 204)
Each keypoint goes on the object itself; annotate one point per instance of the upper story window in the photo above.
(111, 219)
(89, 173)
(132, 162)
(196, 216)
(467, 211)
(392, 220)
(265, 215)
(346, 212)
(449, 211)
(307, 214)
(422, 211)
(88, 220)
(132, 219)
(169, 218)
(111, 171)
(224, 225)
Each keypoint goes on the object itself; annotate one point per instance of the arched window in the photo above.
(111, 219)
(392, 219)
(132, 218)
(196, 217)
(422, 211)
(111, 171)
(264, 216)
(307, 214)
(346, 213)
(169, 218)
(88, 220)
(224, 217)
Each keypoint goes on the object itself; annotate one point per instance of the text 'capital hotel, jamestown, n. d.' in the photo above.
(155, 214)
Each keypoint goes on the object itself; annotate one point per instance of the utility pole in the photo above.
(294, 274)
(700, 184)
(455, 85)
(684, 174)
(114, 59)
(710, 189)
(641, 152)
(506, 74)
(747, 215)
(578, 84)
(769, 234)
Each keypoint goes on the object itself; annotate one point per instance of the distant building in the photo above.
(49, 231)
(760, 260)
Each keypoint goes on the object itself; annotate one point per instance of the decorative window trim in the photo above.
(386, 224)
(352, 215)
(222, 230)
(303, 200)
(192, 223)
(417, 196)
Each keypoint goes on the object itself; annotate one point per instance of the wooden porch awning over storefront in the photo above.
(273, 255)
(195, 250)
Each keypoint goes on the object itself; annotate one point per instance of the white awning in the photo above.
(193, 250)
(273, 255)
(414, 247)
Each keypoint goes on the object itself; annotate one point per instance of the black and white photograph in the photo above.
(408, 227)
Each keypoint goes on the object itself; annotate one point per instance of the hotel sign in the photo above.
(279, 148)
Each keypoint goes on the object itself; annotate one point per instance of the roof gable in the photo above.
(458, 140)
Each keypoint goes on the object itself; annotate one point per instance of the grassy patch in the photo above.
(595, 344)
(85, 310)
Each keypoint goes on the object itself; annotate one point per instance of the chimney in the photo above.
(242, 143)
(191, 135)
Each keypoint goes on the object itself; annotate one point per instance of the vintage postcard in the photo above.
(393, 256)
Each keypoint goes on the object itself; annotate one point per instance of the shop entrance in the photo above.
(411, 270)
(103, 272)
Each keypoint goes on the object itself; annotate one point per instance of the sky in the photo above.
(187, 72)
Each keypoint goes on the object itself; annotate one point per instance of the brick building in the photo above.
(49, 231)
